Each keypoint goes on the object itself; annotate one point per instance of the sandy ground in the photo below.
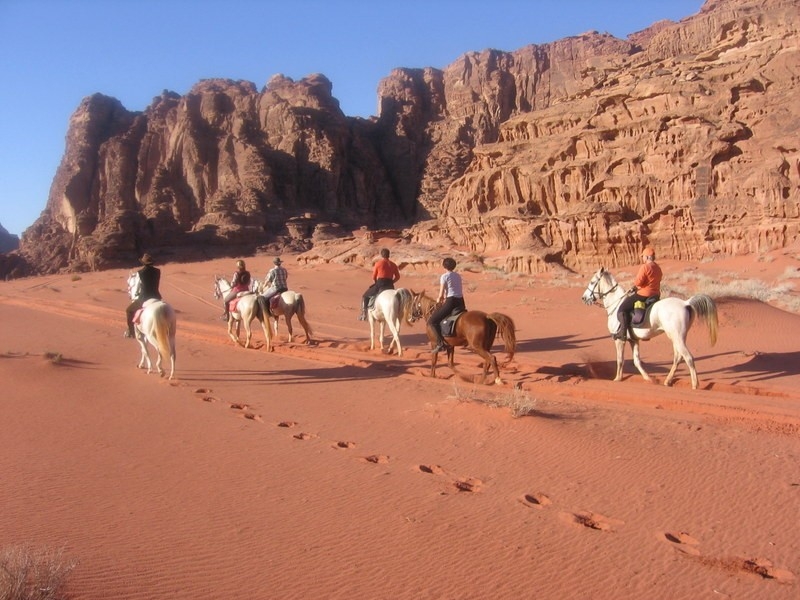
(332, 471)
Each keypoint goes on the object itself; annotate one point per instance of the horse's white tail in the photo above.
(165, 328)
(703, 307)
(406, 300)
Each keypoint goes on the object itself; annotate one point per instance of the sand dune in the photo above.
(328, 470)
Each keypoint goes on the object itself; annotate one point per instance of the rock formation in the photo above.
(684, 136)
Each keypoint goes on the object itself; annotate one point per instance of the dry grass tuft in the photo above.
(53, 357)
(27, 573)
(518, 401)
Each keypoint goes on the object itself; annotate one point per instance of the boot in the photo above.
(224, 316)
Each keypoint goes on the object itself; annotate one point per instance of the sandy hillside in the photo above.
(329, 470)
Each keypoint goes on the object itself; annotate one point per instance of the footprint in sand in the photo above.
(377, 459)
(432, 469)
(304, 436)
(205, 395)
(344, 445)
(765, 568)
(238, 406)
(288, 424)
(468, 484)
(591, 520)
(682, 541)
(536, 500)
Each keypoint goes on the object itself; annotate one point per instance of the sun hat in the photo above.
(146, 259)
(277, 260)
(649, 252)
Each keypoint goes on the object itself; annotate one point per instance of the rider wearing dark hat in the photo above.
(276, 278)
(240, 282)
(647, 285)
(149, 277)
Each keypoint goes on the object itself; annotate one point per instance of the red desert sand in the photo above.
(332, 471)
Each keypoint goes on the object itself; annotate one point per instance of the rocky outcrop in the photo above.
(683, 136)
(8, 241)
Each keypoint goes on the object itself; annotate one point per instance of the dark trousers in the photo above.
(375, 289)
(447, 307)
(625, 311)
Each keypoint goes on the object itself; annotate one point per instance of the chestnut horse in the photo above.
(474, 329)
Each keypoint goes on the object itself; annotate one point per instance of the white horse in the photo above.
(391, 308)
(247, 308)
(672, 316)
(156, 326)
(288, 305)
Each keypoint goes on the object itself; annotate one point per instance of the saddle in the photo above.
(640, 310)
(274, 303)
(234, 303)
(448, 324)
(137, 316)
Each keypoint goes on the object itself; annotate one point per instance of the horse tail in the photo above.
(506, 327)
(406, 305)
(165, 326)
(300, 311)
(703, 307)
(262, 308)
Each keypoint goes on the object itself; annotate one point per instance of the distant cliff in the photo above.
(684, 136)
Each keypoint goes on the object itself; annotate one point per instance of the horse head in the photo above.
(422, 306)
(221, 286)
(600, 286)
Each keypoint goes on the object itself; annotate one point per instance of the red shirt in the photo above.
(648, 280)
(385, 269)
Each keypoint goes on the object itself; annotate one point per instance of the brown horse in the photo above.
(474, 329)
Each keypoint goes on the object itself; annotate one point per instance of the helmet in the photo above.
(648, 252)
(449, 263)
(240, 264)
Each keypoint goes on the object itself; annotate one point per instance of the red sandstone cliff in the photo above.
(684, 136)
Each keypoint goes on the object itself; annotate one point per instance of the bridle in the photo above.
(592, 289)
(416, 309)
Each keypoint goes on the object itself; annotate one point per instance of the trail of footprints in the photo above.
(680, 541)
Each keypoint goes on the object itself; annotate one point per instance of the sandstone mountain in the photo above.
(8, 241)
(684, 136)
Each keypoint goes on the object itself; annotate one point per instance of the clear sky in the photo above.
(54, 53)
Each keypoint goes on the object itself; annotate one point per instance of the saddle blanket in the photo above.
(640, 310)
(449, 323)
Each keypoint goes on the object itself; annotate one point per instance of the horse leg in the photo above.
(679, 350)
(288, 317)
(620, 346)
(247, 330)
(304, 324)
(371, 332)
(145, 357)
(234, 337)
(638, 361)
(488, 361)
(394, 327)
(159, 368)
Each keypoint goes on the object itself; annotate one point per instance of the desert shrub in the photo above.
(53, 357)
(27, 573)
(518, 401)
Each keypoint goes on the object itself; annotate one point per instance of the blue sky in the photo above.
(56, 52)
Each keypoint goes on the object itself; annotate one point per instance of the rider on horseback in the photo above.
(276, 278)
(646, 289)
(451, 297)
(240, 282)
(150, 277)
(384, 275)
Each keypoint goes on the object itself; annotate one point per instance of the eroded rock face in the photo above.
(571, 153)
(689, 144)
